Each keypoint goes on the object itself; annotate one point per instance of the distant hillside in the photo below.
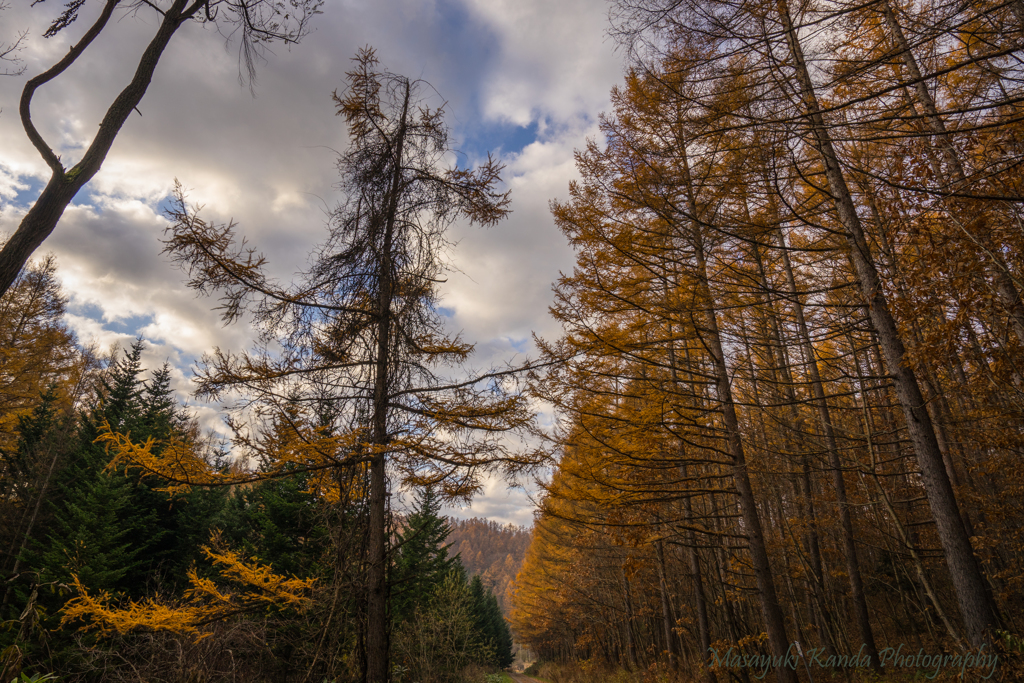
(492, 550)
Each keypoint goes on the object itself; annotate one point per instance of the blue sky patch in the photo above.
(165, 205)
(520, 345)
(128, 325)
(24, 197)
(497, 137)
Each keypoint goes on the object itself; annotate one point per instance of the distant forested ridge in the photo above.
(491, 550)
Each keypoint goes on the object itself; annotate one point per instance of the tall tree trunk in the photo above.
(784, 377)
(860, 605)
(628, 597)
(701, 605)
(667, 617)
(904, 539)
(979, 616)
(956, 178)
(703, 627)
(771, 611)
(377, 669)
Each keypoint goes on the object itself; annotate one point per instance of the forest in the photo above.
(791, 392)
(787, 393)
(109, 577)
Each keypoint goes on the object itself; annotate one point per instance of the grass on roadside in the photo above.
(499, 677)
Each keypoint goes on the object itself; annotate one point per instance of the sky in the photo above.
(525, 79)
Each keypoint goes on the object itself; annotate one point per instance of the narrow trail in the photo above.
(522, 678)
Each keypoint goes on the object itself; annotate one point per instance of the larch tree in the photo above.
(359, 339)
(769, 39)
(975, 606)
(648, 226)
(37, 349)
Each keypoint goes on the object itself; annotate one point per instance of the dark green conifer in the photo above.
(279, 522)
(95, 522)
(422, 561)
(490, 623)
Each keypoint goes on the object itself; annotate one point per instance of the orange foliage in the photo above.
(250, 587)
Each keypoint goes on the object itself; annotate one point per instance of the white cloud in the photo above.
(268, 161)
(500, 503)
(555, 60)
(10, 183)
(504, 288)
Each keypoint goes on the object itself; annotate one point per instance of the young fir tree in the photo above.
(280, 522)
(41, 446)
(490, 623)
(175, 526)
(95, 525)
(113, 529)
(422, 562)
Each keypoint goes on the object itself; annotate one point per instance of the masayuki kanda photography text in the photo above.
(974, 665)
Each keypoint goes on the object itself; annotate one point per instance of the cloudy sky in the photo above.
(523, 78)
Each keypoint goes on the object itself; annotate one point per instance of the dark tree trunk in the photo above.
(667, 617)
(775, 623)
(771, 611)
(860, 605)
(703, 626)
(979, 616)
(377, 645)
(42, 218)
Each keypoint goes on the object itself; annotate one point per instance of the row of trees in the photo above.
(793, 406)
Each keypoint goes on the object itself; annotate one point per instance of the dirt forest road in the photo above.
(522, 678)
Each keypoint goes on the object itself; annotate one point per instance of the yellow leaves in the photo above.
(174, 460)
(251, 587)
(442, 349)
(147, 615)
(292, 446)
(263, 585)
(36, 348)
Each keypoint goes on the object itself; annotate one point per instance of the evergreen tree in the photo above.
(166, 521)
(490, 623)
(114, 531)
(27, 471)
(32, 430)
(111, 529)
(279, 522)
(95, 524)
(160, 414)
(500, 631)
(121, 391)
(422, 562)
(90, 535)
